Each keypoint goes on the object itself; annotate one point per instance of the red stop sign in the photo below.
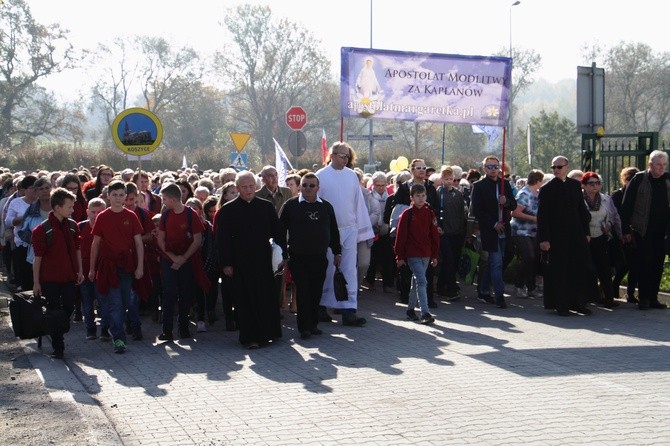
(296, 118)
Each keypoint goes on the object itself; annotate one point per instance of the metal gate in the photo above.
(608, 154)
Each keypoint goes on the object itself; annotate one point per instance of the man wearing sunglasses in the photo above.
(492, 204)
(563, 233)
(312, 229)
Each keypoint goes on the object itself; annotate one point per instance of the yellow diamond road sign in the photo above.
(240, 140)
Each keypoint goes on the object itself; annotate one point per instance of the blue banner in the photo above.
(408, 86)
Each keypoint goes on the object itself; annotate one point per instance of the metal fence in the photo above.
(608, 154)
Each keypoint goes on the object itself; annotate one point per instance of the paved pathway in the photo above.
(479, 375)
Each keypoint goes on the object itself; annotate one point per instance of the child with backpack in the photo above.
(179, 238)
(87, 287)
(417, 244)
(57, 267)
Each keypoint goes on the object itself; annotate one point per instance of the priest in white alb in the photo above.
(338, 184)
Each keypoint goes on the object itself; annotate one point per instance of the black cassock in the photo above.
(243, 233)
(563, 220)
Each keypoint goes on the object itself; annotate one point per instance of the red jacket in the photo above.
(59, 259)
(418, 237)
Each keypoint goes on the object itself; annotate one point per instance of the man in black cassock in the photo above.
(244, 227)
(563, 233)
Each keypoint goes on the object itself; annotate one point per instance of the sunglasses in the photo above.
(342, 155)
(558, 167)
(420, 167)
(492, 166)
(310, 185)
(593, 183)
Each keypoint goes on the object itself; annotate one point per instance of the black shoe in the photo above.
(427, 319)
(563, 312)
(351, 320)
(91, 334)
(632, 299)
(184, 333)
(584, 311)
(643, 305)
(166, 337)
(500, 302)
(305, 335)
(57, 354)
(316, 331)
(486, 298)
(324, 316)
(137, 334)
(657, 305)
(411, 315)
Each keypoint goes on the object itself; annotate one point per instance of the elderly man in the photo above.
(271, 189)
(339, 185)
(645, 214)
(563, 235)
(244, 227)
(312, 229)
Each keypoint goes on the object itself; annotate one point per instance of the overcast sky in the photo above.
(555, 30)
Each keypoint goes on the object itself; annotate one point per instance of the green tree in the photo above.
(270, 66)
(551, 135)
(29, 51)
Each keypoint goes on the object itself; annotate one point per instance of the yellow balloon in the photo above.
(402, 163)
(393, 165)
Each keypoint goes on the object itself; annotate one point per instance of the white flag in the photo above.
(282, 164)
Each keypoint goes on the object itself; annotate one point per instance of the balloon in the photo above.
(402, 163)
(393, 165)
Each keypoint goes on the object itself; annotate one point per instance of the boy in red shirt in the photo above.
(417, 244)
(87, 288)
(117, 250)
(179, 238)
(57, 266)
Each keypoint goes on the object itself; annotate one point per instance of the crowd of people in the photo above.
(108, 246)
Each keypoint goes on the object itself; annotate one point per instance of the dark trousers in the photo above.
(178, 287)
(206, 301)
(7, 258)
(603, 270)
(528, 251)
(227, 296)
(59, 296)
(309, 273)
(649, 256)
(382, 258)
(630, 267)
(451, 247)
(23, 271)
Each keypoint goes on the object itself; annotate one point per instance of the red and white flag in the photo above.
(324, 148)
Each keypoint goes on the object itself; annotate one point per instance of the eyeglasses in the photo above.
(342, 155)
(558, 167)
(310, 185)
(492, 166)
(420, 167)
(106, 174)
(593, 183)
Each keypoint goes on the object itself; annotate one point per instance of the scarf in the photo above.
(594, 205)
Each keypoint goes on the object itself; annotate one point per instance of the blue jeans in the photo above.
(133, 315)
(418, 291)
(178, 287)
(115, 304)
(495, 271)
(88, 296)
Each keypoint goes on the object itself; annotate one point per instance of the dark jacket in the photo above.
(486, 209)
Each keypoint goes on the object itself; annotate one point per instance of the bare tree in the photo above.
(29, 51)
(269, 67)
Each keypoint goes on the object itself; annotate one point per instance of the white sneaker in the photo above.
(520, 292)
(200, 327)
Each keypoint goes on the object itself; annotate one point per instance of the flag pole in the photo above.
(502, 168)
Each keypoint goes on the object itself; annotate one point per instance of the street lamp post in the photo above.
(510, 118)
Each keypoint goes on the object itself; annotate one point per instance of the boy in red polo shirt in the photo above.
(57, 266)
(117, 250)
